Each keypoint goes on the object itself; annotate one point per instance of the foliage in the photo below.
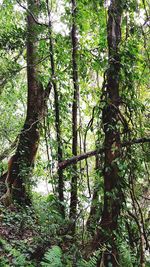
(91, 263)
(126, 257)
(14, 256)
(52, 257)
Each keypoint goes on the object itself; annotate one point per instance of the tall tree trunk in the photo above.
(112, 181)
(57, 117)
(73, 201)
(21, 163)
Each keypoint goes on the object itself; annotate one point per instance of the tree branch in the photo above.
(32, 15)
(75, 159)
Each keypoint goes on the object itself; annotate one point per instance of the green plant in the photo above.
(52, 257)
(12, 256)
(126, 257)
(92, 262)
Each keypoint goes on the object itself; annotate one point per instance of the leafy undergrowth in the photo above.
(23, 240)
(32, 236)
(37, 236)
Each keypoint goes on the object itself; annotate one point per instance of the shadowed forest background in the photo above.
(74, 133)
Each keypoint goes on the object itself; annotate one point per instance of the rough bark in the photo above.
(22, 162)
(57, 117)
(73, 201)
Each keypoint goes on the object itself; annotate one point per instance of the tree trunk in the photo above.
(73, 201)
(94, 215)
(57, 118)
(22, 162)
(113, 196)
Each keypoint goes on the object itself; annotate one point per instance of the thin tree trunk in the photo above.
(57, 117)
(21, 163)
(94, 212)
(142, 251)
(73, 201)
(94, 215)
(138, 217)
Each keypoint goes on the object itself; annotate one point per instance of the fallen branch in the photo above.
(75, 159)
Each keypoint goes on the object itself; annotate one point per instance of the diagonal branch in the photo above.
(75, 159)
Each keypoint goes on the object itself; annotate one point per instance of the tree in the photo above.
(22, 162)
(74, 187)
(57, 116)
(113, 195)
